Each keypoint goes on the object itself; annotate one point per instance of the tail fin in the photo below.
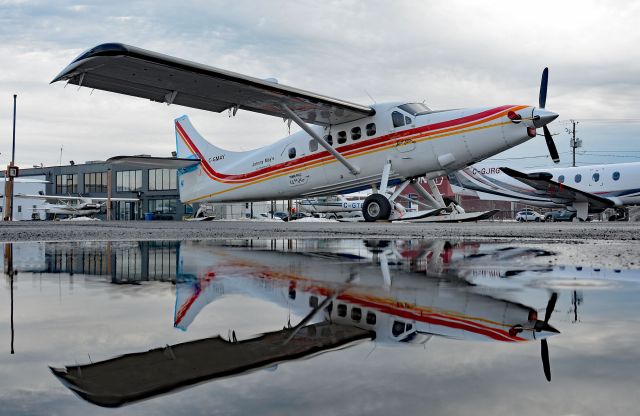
(191, 145)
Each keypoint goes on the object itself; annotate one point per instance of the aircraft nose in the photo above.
(542, 117)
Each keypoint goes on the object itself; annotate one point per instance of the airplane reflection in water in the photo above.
(344, 296)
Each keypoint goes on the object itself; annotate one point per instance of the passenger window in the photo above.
(561, 178)
(356, 133)
(397, 118)
(578, 178)
(615, 176)
(371, 318)
(596, 177)
(313, 145)
(313, 301)
(398, 328)
(292, 153)
(342, 137)
(407, 120)
(342, 310)
(371, 129)
(329, 139)
(356, 314)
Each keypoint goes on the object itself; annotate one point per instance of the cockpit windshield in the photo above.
(415, 109)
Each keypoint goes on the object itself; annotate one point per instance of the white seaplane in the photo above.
(343, 146)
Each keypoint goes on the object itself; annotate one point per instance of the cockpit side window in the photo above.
(397, 118)
(398, 328)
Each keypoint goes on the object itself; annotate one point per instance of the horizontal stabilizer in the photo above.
(154, 162)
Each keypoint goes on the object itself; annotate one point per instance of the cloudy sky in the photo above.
(450, 54)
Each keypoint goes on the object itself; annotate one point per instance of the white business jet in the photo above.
(343, 147)
(583, 189)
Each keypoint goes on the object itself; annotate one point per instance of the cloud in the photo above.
(452, 54)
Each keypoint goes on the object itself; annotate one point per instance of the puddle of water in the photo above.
(312, 326)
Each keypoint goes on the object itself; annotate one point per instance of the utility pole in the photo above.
(574, 143)
(12, 171)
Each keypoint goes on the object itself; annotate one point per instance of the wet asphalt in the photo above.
(596, 244)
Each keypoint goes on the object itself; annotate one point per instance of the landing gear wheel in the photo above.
(376, 207)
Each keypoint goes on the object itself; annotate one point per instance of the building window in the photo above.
(561, 178)
(596, 177)
(129, 181)
(578, 178)
(188, 209)
(342, 137)
(163, 179)
(66, 184)
(162, 206)
(313, 145)
(95, 182)
(371, 129)
(397, 118)
(292, 152)
(615, 176)
(356, 133)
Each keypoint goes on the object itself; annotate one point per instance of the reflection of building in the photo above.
(123, 262)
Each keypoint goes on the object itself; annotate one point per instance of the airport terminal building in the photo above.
(155, 188)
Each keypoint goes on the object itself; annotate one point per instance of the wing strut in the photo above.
(353, 169)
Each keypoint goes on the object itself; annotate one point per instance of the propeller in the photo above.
(542, 101)
(540, 118)
(544, 325)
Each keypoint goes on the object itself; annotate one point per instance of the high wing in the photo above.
(61, 198)
(557, 192)
(141, 73)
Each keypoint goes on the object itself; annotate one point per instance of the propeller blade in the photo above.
(542, 99)
(550, 306)
(551, 145)
(544, 352)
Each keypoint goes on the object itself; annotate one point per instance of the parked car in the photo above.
(529, 215)
(560, 215)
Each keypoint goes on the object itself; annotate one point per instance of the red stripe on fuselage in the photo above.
(324, 154)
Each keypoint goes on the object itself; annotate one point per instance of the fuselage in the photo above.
(429, 143)
(413, 307)
(619, 182)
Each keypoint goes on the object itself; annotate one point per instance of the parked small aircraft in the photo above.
(332, 207)
(343, 147)
(583, 189)
(73, 206)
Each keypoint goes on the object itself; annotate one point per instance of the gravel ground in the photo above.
(596, 244)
